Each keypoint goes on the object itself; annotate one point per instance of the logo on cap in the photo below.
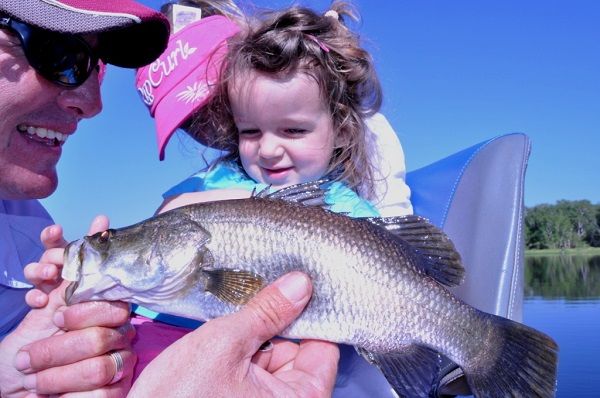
(193, 93)
(163, 67)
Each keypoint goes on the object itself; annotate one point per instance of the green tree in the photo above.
(582, 215)
(539, 227)
(566, 224)
(594, 237)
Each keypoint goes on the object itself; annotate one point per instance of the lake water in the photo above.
(562, 299)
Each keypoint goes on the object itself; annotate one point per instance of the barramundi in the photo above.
(378, 284)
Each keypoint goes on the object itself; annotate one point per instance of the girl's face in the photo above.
(285, 130)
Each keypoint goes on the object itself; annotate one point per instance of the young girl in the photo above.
(178, 86)
(290, 107)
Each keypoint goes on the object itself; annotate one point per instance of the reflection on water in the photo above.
(562, 299)
(570, 277)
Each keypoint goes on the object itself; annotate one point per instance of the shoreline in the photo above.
(583, 251)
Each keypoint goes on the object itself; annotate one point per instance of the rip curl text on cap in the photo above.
(183, 78)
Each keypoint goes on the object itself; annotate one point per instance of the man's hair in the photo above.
(321, 46)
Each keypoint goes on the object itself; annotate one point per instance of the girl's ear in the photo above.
(341, 139)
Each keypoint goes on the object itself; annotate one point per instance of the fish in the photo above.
(379, 284)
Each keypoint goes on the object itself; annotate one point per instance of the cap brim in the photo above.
(183, 79)
(134, 46)
(176, 109)
(130, 34)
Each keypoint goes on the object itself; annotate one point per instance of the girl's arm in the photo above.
(197, 197)
(392, 193)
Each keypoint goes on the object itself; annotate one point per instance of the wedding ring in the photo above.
(119, 366)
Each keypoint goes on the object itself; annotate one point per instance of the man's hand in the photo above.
(59, 349)
(222, 357)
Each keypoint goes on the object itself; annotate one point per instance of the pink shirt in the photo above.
(151, 339)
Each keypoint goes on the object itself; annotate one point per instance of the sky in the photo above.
(454, 73)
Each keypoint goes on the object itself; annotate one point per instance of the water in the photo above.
(562, 299)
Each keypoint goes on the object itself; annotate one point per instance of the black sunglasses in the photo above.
(61, 58)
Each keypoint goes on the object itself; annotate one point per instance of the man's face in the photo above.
(36, 117)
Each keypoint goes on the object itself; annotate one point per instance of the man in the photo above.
(51, 54)
(49, 81)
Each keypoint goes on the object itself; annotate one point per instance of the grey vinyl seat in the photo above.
(476, 197)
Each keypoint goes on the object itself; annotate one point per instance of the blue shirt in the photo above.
(21, 222)
(226, 175)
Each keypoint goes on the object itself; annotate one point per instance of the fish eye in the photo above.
(104, 236)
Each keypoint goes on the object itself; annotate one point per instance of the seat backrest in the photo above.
(476, 197)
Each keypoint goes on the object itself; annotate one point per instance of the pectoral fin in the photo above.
(410, 371)
(232, 285)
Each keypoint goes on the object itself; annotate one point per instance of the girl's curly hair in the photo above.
(300, 40)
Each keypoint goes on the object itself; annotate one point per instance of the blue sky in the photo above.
(454, 73)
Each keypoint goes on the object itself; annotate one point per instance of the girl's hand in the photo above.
(189, 198)
(44, 275)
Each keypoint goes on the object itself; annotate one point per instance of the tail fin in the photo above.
(524, 367)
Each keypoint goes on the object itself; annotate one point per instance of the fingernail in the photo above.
(59, 319)
(30, 382)
(293, 286)
(22, 361)
(40, 300)
(47, 271)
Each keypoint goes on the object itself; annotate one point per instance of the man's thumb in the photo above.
(275, 307)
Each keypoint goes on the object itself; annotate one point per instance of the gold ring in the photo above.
(119, 366)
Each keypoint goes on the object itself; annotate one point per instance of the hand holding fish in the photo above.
(224, 349)
(40, 357)
(54, 348)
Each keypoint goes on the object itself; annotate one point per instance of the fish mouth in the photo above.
(72, 261)
(69, 291)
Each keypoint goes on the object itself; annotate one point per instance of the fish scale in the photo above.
(272, 235)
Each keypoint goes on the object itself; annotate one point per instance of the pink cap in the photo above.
(181, 80)
(129, 34)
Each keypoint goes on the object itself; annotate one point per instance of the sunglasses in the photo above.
(63, 59)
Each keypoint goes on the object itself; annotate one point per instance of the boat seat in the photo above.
(476, 197)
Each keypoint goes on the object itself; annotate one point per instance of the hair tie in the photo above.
(332, 14)
(319, 42)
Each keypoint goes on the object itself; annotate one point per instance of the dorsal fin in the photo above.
(308, 193)
(441, 261)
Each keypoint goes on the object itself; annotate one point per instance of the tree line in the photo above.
(566, 224)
